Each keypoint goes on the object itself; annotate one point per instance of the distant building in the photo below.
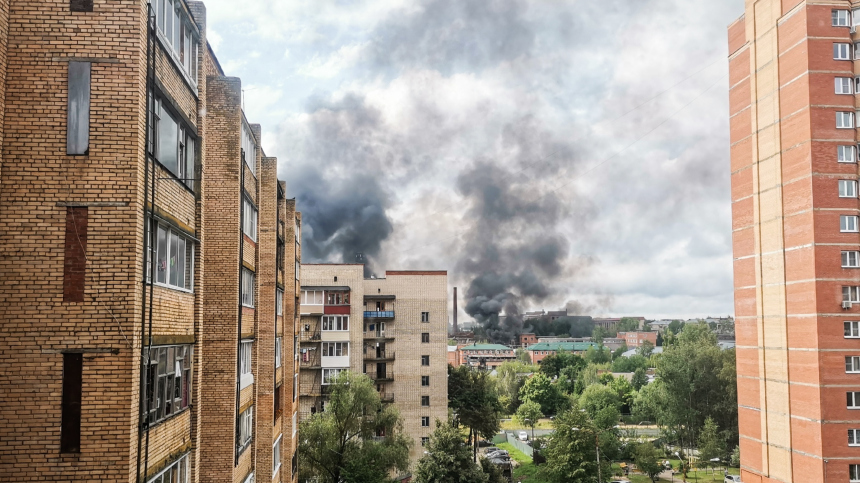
(489, 356)
(525, 340)
(633, 352)
(543, 349)
(636, 339)
(453, 356)
(533, 315)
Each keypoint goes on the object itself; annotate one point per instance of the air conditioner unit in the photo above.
(846, 304)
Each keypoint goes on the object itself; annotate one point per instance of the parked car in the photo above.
(732, 479)
(499, 453)
(523, 436)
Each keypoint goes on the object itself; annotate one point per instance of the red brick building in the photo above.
(793, 103)
(635, 339)
(149, 255)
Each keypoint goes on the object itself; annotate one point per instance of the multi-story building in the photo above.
(394, 329)
(636, 339)
(148, 290)
(793, 102)
(487, 356)
(543, 349)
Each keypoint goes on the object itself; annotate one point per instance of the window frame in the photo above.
(246, 363)
(851, 329)
(279, 302)
(305, 293)
(333, 373)
(425, 337)
(339, 349)
(276, 455)
(852, 292)
(248, 282)
(190, 247)
(250, 214)
(248, 146)
(425, 399)
(186, 141)
(839, 85)
(425, 381)
(852, 364)
(340, 322)
(841, 117)
(182, 466)
(847, 188)
(279, 347)
(843, 149)
(848, 224)
(850, 259)
(158, 385)
(855, 397)
(840, 48)
(425, 317)
(425, 360)
(837, 17)
(425, 421)
(246, 429)
(185, 55)
(854, 473)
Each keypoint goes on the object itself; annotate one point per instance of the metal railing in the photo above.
(386, 397)
(305, 336)
(384, 314)
(379, 334)
(374, 376)
(381, 356)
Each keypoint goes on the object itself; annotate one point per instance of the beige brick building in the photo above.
(148, 255)
(393, 329)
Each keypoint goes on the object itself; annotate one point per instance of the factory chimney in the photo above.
(456, 330)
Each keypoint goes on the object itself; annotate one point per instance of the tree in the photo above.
(659, 339)
(627, 324)
(448, 459)
(342, 443)
(711, 444)
(645, 349)
(523, 356)
(596, 398)
(639, 379)
(598, 355)
(567, 379)
(675, 326)
(552, 365)
(541, 390)
(647, 459)
(570, 450)
(510, 377)
(617, 354)
(529, 414)
(598, 334)
(492, 471)
(735, 460)
(473, 397)
(625, 392)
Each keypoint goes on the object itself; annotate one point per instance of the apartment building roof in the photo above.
(561, 346)
(486, 347)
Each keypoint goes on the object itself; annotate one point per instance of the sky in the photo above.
(547, 154)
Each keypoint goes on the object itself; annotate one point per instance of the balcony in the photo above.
(381, 377)
(386, 397)
(311, 363)
(305, 336)
(379, 334)
(379, 356)
(377, 314)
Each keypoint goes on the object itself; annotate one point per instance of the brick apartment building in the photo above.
(148, 255)
(636, 339)
(793, 102)
(394, 329)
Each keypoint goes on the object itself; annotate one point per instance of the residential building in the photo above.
(143, 232)
(394, 329)
(453, 356)
(525, 340)
(793, 107)
(543, 349)
(636, 339)
(487, 356)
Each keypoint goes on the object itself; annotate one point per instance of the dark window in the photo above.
(425, 400)
(425, 421)
(425, 316)
(171, 142)
(81, 5)
(70, 431)
(75, 259)
(425, 380)
(168, 382)
(278, 391)
(78, 114)
(425, 337)
(425, 360)
(424, 441)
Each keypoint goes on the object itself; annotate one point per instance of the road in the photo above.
(646, 431)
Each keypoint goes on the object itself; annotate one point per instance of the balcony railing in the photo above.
(305, 336)
(375, 314)
(375, 376)
(381, 356)
(379, 334)
(386, 397)
(312, 363)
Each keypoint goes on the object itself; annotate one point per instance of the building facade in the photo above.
(793, 86)
(148, 291)
(543, 349)
(636, 339)
(392, 329)
(486, 356)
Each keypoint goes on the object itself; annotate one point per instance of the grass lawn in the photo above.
(526, 471)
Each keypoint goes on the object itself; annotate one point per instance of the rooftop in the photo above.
(486, 347)
(561, 346)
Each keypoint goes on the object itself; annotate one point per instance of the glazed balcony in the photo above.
(378, 314)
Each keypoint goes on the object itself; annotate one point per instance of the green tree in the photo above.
(646, 403)
(567, 379)
(529, 414)
(640, 379)
(645, 349)
(523, 356)
(625, 392)
(492, 471)
(341, 444)
(735, 460)
(552, 365)
(617, 353)
(711, 444)
(473, 397)
(541, 390)
(598, 355)
(647, 459)
(570, 450)
(446, 459)
(675, 326)
(627, 324)
(599, 333)
(510, 377)
(596, 398)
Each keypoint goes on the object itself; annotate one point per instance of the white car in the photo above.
(732, 479)
(523, 436)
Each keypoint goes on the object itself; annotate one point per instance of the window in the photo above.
(852, 329)
(852, 363)
(335, 349)
(249, 219)
(335, 322)
(841, 18)
(81, 5)
(854, 473)
(847, 223)
(330, 375)
(279, 347)
(314, 297)
(178, 472)
(247, 377)
(425, 337)
(278, 405)
(850, 259)
(249, 479)
(845, 154)
(171, 143)
(168, 381)
(844, 120)
(295, 387)
(178, 36)
(298, 270)
(279, 302)
(249, 147)
(424, 440)
(425, 316)
(247, 288)
(847, 188)
(295, 424)
(843, 85)
(174, 259)
(425, 421)
(853, 400)
(851, 294)
(70, 426)
(841, 51)
(276, 456)
(337, 298)
(854, 437)
(425, 381)
(246, 428)
(78, 113)
(425, 400)
(425, 360)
